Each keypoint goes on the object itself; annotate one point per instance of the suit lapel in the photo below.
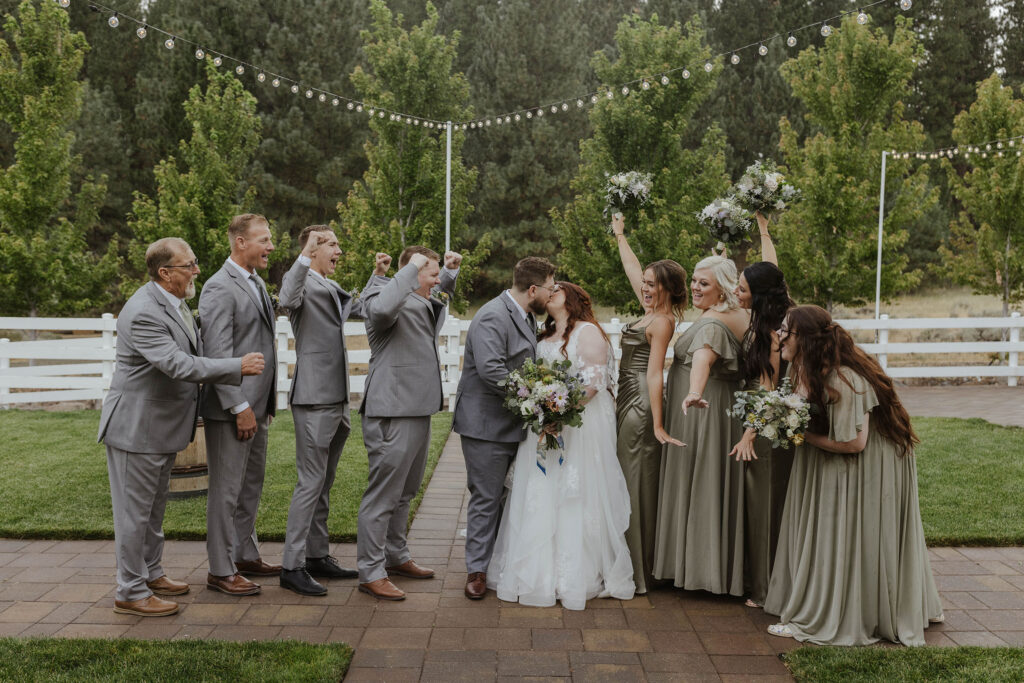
(172, 312)
(520, 323)
(332, 291)
(243, 283)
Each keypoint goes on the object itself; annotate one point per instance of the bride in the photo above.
(562, 533)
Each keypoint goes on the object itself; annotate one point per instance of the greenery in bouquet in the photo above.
(546, 398)
(626, 193)
(725, 220)
(762, 188)
(781, 416)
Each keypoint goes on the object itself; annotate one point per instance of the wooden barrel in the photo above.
(189, 476)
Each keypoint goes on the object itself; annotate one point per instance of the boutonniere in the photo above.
(275, 301)
(443, 296)
(196, 319)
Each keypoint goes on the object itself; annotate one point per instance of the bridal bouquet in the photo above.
(545, 396)
(626, 192)
(762, 188)
(780, 416)
(726, 221)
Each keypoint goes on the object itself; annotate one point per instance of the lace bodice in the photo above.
(590, 353)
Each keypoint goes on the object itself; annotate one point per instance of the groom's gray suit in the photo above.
(500, 339)
(235, 320)
(318, 309)
(403, 389)
(149, 415)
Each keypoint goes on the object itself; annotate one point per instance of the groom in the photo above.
(501, 337)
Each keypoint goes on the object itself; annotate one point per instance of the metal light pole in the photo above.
(878, 266)
(448, 190)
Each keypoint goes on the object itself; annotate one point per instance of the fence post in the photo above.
(282, 365)
(883, 339)
(5, 364)
(108, 343)
(1013, 356)
(615, 335)
(452, 341)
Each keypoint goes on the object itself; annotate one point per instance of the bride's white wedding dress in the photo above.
(562, 533)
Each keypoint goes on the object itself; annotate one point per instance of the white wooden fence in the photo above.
(79, 368)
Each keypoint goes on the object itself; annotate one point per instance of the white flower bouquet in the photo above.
(626, 192)
(725, 220)
(780, 416)
(546, 398)
(762, 188)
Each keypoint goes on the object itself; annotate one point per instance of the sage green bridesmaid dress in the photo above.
(639, 452)
(852, 567)
(699, 539)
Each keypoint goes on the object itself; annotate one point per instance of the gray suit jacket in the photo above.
(318, 309)
(402, 327)
(236, 323)
(153, 400)
(498, 342)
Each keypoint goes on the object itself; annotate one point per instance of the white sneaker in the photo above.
(781, 630)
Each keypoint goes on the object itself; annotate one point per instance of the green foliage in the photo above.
(853, 89)
(1011, 47)
(46, 266)
(644, 132)
(986, 244)
(401, 198)
(199, 191)
(54, 660)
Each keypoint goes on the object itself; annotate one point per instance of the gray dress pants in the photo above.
(487, 463)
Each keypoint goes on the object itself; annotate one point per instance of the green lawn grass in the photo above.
(903, 665)
(53, 480)
(93, 659)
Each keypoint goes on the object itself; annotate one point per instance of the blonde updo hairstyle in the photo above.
(724, 272)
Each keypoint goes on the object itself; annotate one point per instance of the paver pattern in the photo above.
(66, 588)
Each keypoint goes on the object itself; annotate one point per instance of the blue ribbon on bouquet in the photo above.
(542, 451)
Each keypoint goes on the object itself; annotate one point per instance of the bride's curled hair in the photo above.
(579, 308)
(769, 301)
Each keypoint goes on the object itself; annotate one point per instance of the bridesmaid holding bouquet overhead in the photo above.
(661, 291)
(852, 566)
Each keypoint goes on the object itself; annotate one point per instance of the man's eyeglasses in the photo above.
(552, 288)
(191, 265)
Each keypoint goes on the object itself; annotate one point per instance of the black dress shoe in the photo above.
(328, 568)
(301, 582)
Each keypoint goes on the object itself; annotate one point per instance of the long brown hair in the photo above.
(578, 306)
(672, 278)
(822, 347)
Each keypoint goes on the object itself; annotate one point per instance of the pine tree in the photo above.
(986, 244)
(853, 89)
(45, 265)
(1011, 47)
(644, 131)
(401, 199)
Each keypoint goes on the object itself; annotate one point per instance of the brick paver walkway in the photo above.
(66, 589)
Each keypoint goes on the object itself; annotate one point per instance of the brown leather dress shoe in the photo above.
(412, 570)
(166, 586)
(147, 607)
(257, 568)
(382, 589)
(476, 585)
(236, 584)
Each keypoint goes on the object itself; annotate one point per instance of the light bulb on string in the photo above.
(497, 121)
(708, 66)
(609, 94)
(463, 126)
(664, 80)
(735, 59)
(508, 119)
(645, 84)
(113, 21)
(277, 83)
(625, 90)
(322, 97)
(826, 30)
(529, 114)
(518, 118)
(565, 106)
(686, 73)
(169, 43)
(371, 111)
(999, 145)
(335, 102)
(359, 108)
(862, 17)
(294, 89)
(593, 99)
(579, 104)
(906, 4)
(791, 40)
(217, 61)
(64, 3)
(261, 77)
(200, 53)
(380, 115)
(309, 94)
(554, 109)
(350, 106)
(141, 32)
(540, 113)
(239, 69)
(762, 49)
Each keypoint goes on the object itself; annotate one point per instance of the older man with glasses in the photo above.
(150, 414)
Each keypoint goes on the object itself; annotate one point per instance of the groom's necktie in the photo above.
(531, 322)
(186, 317)
(263, 297)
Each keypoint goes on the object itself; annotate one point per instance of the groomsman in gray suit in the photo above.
(403, 389)
(318, 309)
(501, 337)
(236, 314)
(150, 414)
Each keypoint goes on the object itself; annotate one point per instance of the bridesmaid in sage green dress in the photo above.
(661, 290)
(852, 567)
(762, 289)
(699, 539)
